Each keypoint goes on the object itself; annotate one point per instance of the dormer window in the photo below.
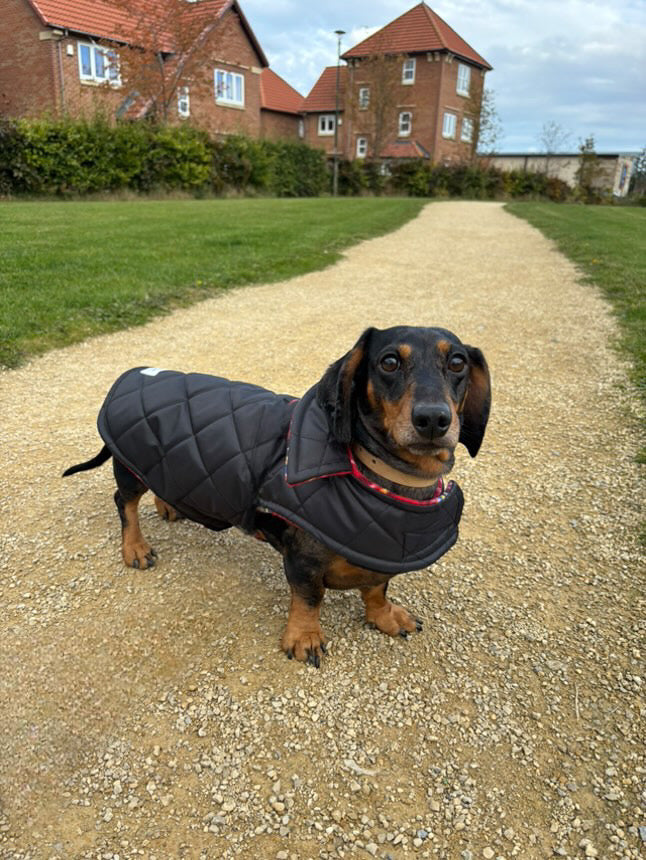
(408, 71)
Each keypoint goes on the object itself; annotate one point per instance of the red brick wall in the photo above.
(454, 150)
(427, 99)
(27, 64)
(230, 50)
(324, 142)
(279, 126)
(30, 80)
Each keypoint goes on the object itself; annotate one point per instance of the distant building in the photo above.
(413, 89)
(62, 58)
(615, 169)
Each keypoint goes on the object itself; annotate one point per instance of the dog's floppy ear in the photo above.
(477, 402)
(337, 387)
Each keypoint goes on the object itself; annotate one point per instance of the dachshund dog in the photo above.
(346, 483)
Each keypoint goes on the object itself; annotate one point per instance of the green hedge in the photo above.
(419, 178)
(66, 157)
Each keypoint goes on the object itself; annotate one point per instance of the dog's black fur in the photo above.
(407, 395)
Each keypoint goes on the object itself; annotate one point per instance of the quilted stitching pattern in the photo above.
(216, 451)
(195, 440)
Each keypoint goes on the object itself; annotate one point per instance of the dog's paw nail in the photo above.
(153, 553)
(323, 648)
(370, 625)
(290, 654)
(135, 564)
(418, 624)
(403, 634)
(313, 659)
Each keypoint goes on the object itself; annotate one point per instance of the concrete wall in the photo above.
(565, 166)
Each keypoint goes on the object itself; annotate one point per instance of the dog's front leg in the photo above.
(303, 638)
(390, 619)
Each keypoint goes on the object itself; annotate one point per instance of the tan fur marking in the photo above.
(397, 415)
(134, 547)
(405, 351)
(341, 574)
(387, 617)
(370, 392)
(165, 511)
(303, 635)
(351, 364)
(443, 346)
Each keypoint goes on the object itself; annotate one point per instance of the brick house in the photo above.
(65, 57)
(280, 108)
(413, 89)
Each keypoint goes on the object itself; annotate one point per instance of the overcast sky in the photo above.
(579, 63)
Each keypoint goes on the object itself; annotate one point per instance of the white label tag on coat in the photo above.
(151, 371)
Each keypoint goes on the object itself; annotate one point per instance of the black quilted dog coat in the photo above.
(220, 451)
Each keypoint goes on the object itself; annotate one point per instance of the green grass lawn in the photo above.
(609, 244)
(71, 270)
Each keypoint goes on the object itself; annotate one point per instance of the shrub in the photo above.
(66, 157)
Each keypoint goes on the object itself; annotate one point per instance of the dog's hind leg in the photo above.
(166, 512)
(136, 551)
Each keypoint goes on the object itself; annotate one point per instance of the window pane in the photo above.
(86, 63)
(113, 67)
(238, 88)
(99, 63)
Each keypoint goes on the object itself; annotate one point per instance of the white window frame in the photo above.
(326, 124)
(362, 147)
(105, 60)
(183, 102)
(364, 98)
(449, 123)
(466, 133)
(408, 71)
(405, 125)
(229, 88)
(464, 80)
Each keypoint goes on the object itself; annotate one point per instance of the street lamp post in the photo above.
(335, 174)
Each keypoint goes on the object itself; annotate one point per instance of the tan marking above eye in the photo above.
(443, 346)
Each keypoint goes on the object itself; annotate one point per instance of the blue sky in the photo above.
(579, 63)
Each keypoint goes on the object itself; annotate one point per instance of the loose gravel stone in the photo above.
(151, 714)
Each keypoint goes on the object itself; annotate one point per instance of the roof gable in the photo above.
(417, 31)
(104, 20)
(276, 94)
(322, 96)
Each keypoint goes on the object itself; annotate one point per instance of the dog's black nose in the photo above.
(431, 420)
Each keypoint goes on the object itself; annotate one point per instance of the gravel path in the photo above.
(153, 715)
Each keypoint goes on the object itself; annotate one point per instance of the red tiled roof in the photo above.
(416, 31)
(93, 17)
(322, 96)
(120, 22)
(276, 94)
(404, 149)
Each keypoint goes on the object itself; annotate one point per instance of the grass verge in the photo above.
(609, 245)
(72, 270)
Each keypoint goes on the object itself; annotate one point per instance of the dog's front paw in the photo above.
(139, 555)
(308, 646)
(393, 620)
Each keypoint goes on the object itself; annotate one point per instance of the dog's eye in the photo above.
(389, 362)
(456, 363)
